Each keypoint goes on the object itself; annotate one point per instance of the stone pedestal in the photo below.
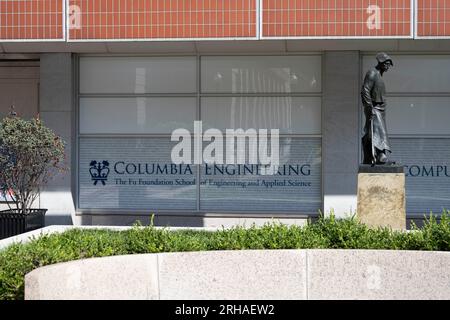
(381, 196)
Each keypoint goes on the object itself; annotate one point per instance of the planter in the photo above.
(13, 222)
(248, 275)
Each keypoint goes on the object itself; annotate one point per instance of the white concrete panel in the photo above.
(23, 47)
(342, 206)
(337, 45)
(424, 45)
(21, 59)
(378, 275)
(151, 47)
(247, 275)
(60, 205)
(227, 46)
(54, 47)
(87, 47)
(99, 278)
(248, 46)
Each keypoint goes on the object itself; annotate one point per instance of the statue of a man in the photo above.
(375, 141)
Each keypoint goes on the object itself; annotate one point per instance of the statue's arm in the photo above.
(369, 82)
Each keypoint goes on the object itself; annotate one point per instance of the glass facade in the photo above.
(129, 106)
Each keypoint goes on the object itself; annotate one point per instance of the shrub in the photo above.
(29, 155)
(19, 259)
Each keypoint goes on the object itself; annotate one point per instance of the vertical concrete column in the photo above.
(57, 112)
(340, 123)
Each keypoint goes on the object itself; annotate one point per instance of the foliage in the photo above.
(30, 154)
(19, 259)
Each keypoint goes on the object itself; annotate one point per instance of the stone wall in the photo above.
(249, 275)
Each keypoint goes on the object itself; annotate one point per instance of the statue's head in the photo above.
(384, 61)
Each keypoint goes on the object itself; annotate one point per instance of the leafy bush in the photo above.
(29, 153)
(19, 259)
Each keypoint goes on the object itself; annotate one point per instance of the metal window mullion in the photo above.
(262, 95)
(123, 135)
(140, 95)
(199, 117)
(77, 128)
(418, 136)
(418, 95)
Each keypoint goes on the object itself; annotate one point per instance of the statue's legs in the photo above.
(381, 156)
(367, 150)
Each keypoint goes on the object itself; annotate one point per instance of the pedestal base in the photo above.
(381, 196)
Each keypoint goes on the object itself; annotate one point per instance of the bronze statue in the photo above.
(375, 141)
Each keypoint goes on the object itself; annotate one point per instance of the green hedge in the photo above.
(19, 259)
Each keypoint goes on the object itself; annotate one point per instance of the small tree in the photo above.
(30, 154)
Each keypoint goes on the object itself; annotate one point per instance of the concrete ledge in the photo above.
(115, 278)
(28, 236)
(238, 275)
(378, 274)
(252, 275)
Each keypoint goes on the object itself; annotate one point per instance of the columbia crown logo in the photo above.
(99, 171)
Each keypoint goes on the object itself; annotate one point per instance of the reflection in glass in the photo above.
(418, 115)
(138, 75)
(291, 115)
(419, 73)
(136, 115)
(261, 74)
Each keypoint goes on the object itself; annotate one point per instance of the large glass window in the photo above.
(294, 186)
(129, 106)
(136, 115)
(418, 109)
(419, 115)
(416, 73)
(287, 74)
(137, 75)
(427, 172)
(291, 115)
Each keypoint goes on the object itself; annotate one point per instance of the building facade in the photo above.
(115, 78)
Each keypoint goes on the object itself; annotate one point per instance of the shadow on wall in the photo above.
(56, 219)
(145, 220)
(420, 221)
(187, 221)
(199, 221)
